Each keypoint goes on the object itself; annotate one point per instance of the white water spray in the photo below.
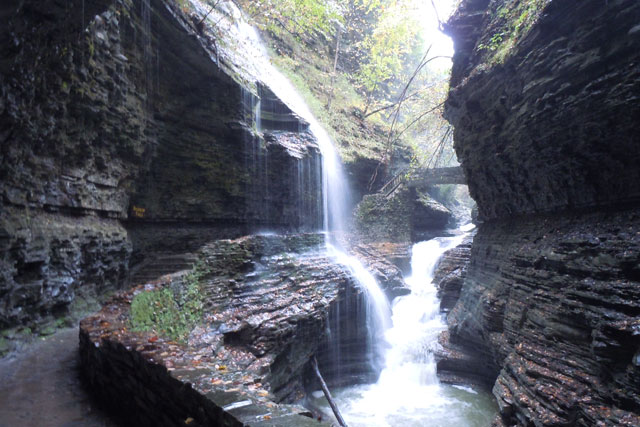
(408, 392)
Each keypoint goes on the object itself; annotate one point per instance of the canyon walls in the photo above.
(545, 103)
(123, 131)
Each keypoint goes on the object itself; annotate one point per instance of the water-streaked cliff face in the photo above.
(125, 114)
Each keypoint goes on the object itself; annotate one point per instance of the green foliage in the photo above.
(379, 48)
(311, 81)
(4, 346)
(494, 43)
(171, 312)
(512, 22)
(390, 46)
(303, 18)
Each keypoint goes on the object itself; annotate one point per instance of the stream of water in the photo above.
(408, 392)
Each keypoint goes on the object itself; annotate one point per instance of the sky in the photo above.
(441, 44)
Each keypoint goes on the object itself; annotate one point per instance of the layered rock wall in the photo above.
(544, 100)
(551, 122)
(121, 115)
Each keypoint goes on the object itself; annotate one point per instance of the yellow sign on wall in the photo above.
(138, 212)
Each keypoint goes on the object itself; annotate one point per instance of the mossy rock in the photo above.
(380, 218)
(172, 311)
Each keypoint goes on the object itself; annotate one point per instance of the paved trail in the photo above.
(41, 387)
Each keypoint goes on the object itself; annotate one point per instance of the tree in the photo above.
(301, 18)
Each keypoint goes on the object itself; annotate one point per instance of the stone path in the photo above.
(40, 386)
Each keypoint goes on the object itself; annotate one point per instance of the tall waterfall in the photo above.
(254, 59)
(336, 199)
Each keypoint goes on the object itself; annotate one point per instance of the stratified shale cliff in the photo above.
(125, 131)
(545, 100)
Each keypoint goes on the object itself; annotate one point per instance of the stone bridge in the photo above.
(452, 175)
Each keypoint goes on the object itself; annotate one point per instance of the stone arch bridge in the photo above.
(436, 176)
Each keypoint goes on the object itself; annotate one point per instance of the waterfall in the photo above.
(408, 391)
(254, 59)
(335, 203)
(417, 321)
(336, 194)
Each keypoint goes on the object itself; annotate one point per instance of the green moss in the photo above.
(378, 218)
(92, 48)
(171, 312)
(4, 346)
(48, 330)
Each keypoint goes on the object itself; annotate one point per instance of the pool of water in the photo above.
(437, 405)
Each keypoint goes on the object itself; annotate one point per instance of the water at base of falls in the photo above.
(408, 392)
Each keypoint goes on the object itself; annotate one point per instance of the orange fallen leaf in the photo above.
(153, 338)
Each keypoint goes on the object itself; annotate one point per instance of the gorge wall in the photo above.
(124, 131)
(545, 100)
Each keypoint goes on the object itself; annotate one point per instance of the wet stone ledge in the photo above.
(145, 379)
(267, 308)
(141, 391)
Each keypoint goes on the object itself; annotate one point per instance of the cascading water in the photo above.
(255, 60)
(408, 392)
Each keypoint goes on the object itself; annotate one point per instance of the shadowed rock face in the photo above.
(555, 125)
(548, 138)
(450, 273)
(125, 121)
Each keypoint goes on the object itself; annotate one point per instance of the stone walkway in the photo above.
(40, 386)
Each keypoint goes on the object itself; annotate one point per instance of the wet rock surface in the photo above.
(41, 386)
(551, 306)
(399, 254)
(450, 273)
(123, 117)
(269, 304)
(387, 262)
(547, 136)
